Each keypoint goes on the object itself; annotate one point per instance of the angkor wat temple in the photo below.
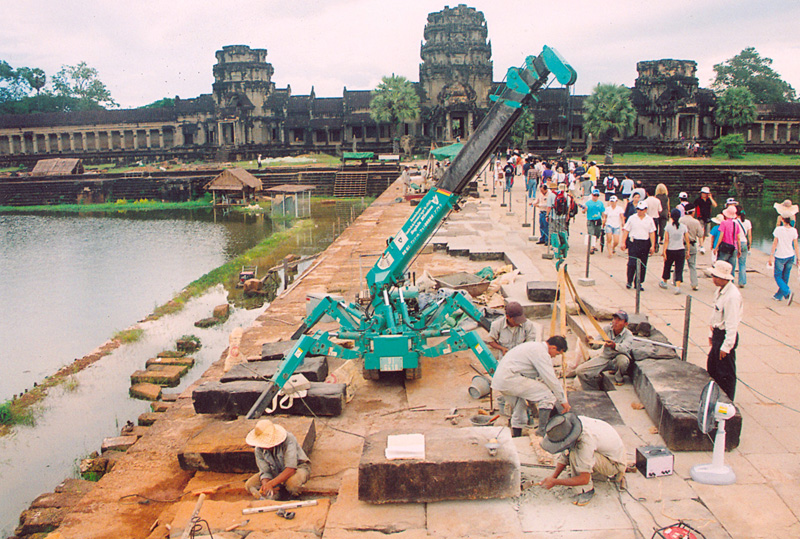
(246, 115)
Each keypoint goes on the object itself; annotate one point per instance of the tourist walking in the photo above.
(784, 254)
(663, 216)
(785, 209)
(745, 241)
(642, 230)
(610, 185)
(728, 245)
(676, 245)
(695, 230)
(653, 211)
(612, 225)
(544, 202)
(630, 207)
(704, 203)
(724, 326)
(594, 209)
(625, 187)
(683, 201)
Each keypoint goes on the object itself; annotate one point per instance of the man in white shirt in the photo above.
(642, 231)
(526, 372)
(724, 337)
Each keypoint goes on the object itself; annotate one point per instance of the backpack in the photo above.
(610, 183)
(561, 205)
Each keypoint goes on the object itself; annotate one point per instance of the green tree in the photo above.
(81, 82)
(730, 145)
(749, 70)
(394, 101)
(523, 129)
(164, 102)
(609, 113)
(735, 108)
(33, 77)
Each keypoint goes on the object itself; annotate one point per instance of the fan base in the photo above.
(708, 474)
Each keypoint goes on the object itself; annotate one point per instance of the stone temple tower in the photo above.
(455, 75)
(242, 83)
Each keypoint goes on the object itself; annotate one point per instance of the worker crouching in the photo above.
(526, 372)
(590, 447)
(283, 466)
(614, 356)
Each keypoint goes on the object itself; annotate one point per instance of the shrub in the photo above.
(5, 413)
(732, 145)
(127, 336)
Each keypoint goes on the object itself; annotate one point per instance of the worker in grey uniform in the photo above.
(590, 447)
(283, 466)
(507, 332)
(614, 356)
(526, 372)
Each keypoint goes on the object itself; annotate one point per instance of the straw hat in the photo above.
(266, 435)
(729, 212)
(786, 208)
(722, 269)
(717, 219)
(562, 433)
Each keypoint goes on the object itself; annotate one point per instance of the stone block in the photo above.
(56, 499)
(187, 345)
(160, 407)
(670, 391)
(222, 312)
(315, 369)
(541, 291)
(148, 418)
(236, 398)
(585, 281)
(595, 404)
(207, 322)
(165, 375)
(600, 312)
(457, 466)
(40, 520)
(276, 350)
(75, 486)
(118, 443)
(150, 392)
(171, 353)
(221, 447)
(639, 324)
(161, 361)
(169, 397)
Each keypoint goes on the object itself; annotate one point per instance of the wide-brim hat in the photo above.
(722, 269)
(266, 435)
(729, 212)
(717, 219)
(561, 432)
(786, 208)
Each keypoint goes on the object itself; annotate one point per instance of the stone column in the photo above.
(763, 132)
(788, 132)
(35, 141)
(135, 139)
(177, 136)
(160, 137)
(72, 142)
(59, 143)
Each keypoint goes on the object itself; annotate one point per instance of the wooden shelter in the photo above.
(235, 185)
(57, 167)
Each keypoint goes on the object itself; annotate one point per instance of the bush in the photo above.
(732, 145)
(5, 413)
(127, 336)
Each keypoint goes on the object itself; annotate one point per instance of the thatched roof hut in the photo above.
(57, 167)
(234, 183)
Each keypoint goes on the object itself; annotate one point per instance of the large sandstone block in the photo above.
(236, 398)
(542, 291)
(165, 375)
(594, 404)
(315, 369)
(150, 392)
(40, 520)
(670, 391)
(221, 447)
(182, 361)
(276, 350)
(118, 443)
(457, 466)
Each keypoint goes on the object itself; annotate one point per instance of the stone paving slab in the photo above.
(350, 514)
(594, 404)
(315, 369)
(473, 519)
(457, 466)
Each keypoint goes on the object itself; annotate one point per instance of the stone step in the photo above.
(670, 391)
(164, 375)
(150, 392)
(160, 407)
(315, 369)
(171, 353)
(457, 466)
(148, 418)
(236, 398)
(118, 443)
(221, 446)
(40, 520)
(160, 361)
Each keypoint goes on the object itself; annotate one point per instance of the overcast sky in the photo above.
(149, 49)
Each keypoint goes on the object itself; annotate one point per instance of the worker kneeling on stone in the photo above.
(612, 357)
(511, 330)
(589, 447)
(526, 372)
(283, 466)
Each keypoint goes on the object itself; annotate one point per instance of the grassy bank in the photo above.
(749, 159)
(120, 206)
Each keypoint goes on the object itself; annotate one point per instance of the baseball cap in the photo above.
(683, 195)
(515, 313)
(705, 190)
(595, 192)
(613, 198)
(622, 315)
(731, 202)
(641, 206)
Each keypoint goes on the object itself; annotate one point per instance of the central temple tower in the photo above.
(455, 75)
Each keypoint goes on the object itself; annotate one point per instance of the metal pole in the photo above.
(503, 204)
(526, 224)
(588, 253)
(509, 212)
(494, 180)
(687, 317)
(638, 283)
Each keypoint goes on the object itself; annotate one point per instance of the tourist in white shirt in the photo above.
(784, 254)
(612, 224)
(642, 231)
(724, 326)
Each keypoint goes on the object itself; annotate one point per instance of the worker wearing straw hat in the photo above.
(283, 466)
(724, 328)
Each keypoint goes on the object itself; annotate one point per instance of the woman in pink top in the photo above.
(728, 248)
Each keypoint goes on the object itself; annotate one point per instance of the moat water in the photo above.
(68, 282)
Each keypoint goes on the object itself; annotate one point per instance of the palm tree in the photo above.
(609, 113)
(736, 108)
(394, 101)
